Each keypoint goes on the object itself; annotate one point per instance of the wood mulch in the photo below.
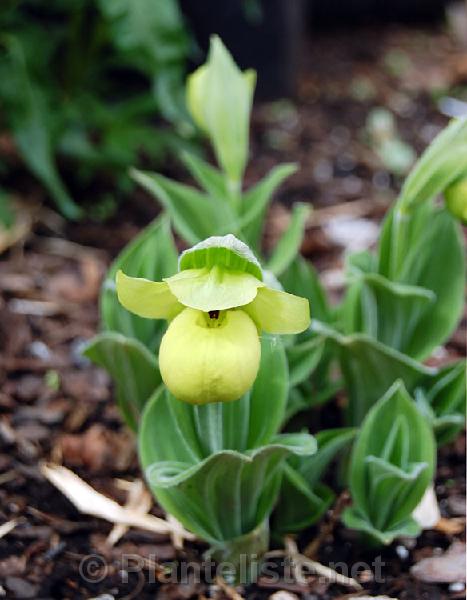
(55, 406)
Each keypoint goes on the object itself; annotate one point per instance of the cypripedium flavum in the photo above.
(217, 305)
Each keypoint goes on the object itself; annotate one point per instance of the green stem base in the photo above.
(239, 559)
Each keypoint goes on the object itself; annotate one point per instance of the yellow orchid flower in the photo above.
(217, 306)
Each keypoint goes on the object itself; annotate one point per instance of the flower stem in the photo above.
(241, 557)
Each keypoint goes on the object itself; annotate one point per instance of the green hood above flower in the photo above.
(217, 305)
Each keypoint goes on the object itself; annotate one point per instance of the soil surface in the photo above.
(55, 406)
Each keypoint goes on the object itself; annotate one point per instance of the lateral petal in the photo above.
(275, 311)
(150, 299)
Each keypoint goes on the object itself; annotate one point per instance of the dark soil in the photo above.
(55, 406)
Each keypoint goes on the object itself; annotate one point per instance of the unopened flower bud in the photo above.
(456, 199)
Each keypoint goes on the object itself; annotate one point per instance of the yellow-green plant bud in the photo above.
(210, 357)
(219, 98)
(456, 199)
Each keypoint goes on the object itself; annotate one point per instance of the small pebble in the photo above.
(40, 350)
(402, 552)
(323, 171)
(345, 162)
(457, 587)
(76, 352)
(339, 135)
(381, 180)
(352, 185)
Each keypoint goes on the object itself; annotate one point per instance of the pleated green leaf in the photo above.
(354, 520)
(218, 467)
(194, 466)
(436, 262)
(389, 312)
(424, 300)
(312, 393)
(226, 495)
(369, 369)
(151, 255)
(443, 399)
(300, 505)
(303, 498)
(247, 423)
(392, 464)
(133, 369)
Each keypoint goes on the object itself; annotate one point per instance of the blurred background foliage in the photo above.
(84, 85)
(89, 88)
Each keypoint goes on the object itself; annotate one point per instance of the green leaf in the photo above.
(226, 495)
(369, 369)
(330, 442)
(195, 216)
(7, 213)
(303, 499)
(301, 279)
(256, 200)
(133, 369)
(407, 528)
(152, 255)
(300, 505)
(303, 358)
(240, 425)
(444, 398)
(32, 130)
(169, 94)
(309, 394)
(430, 241)
(392, 464)
(154, 32)
(387, 311)
(288, 246)
(444, 161)
(436, 262)
(207, 176)
(203, 463)
(265, 418)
